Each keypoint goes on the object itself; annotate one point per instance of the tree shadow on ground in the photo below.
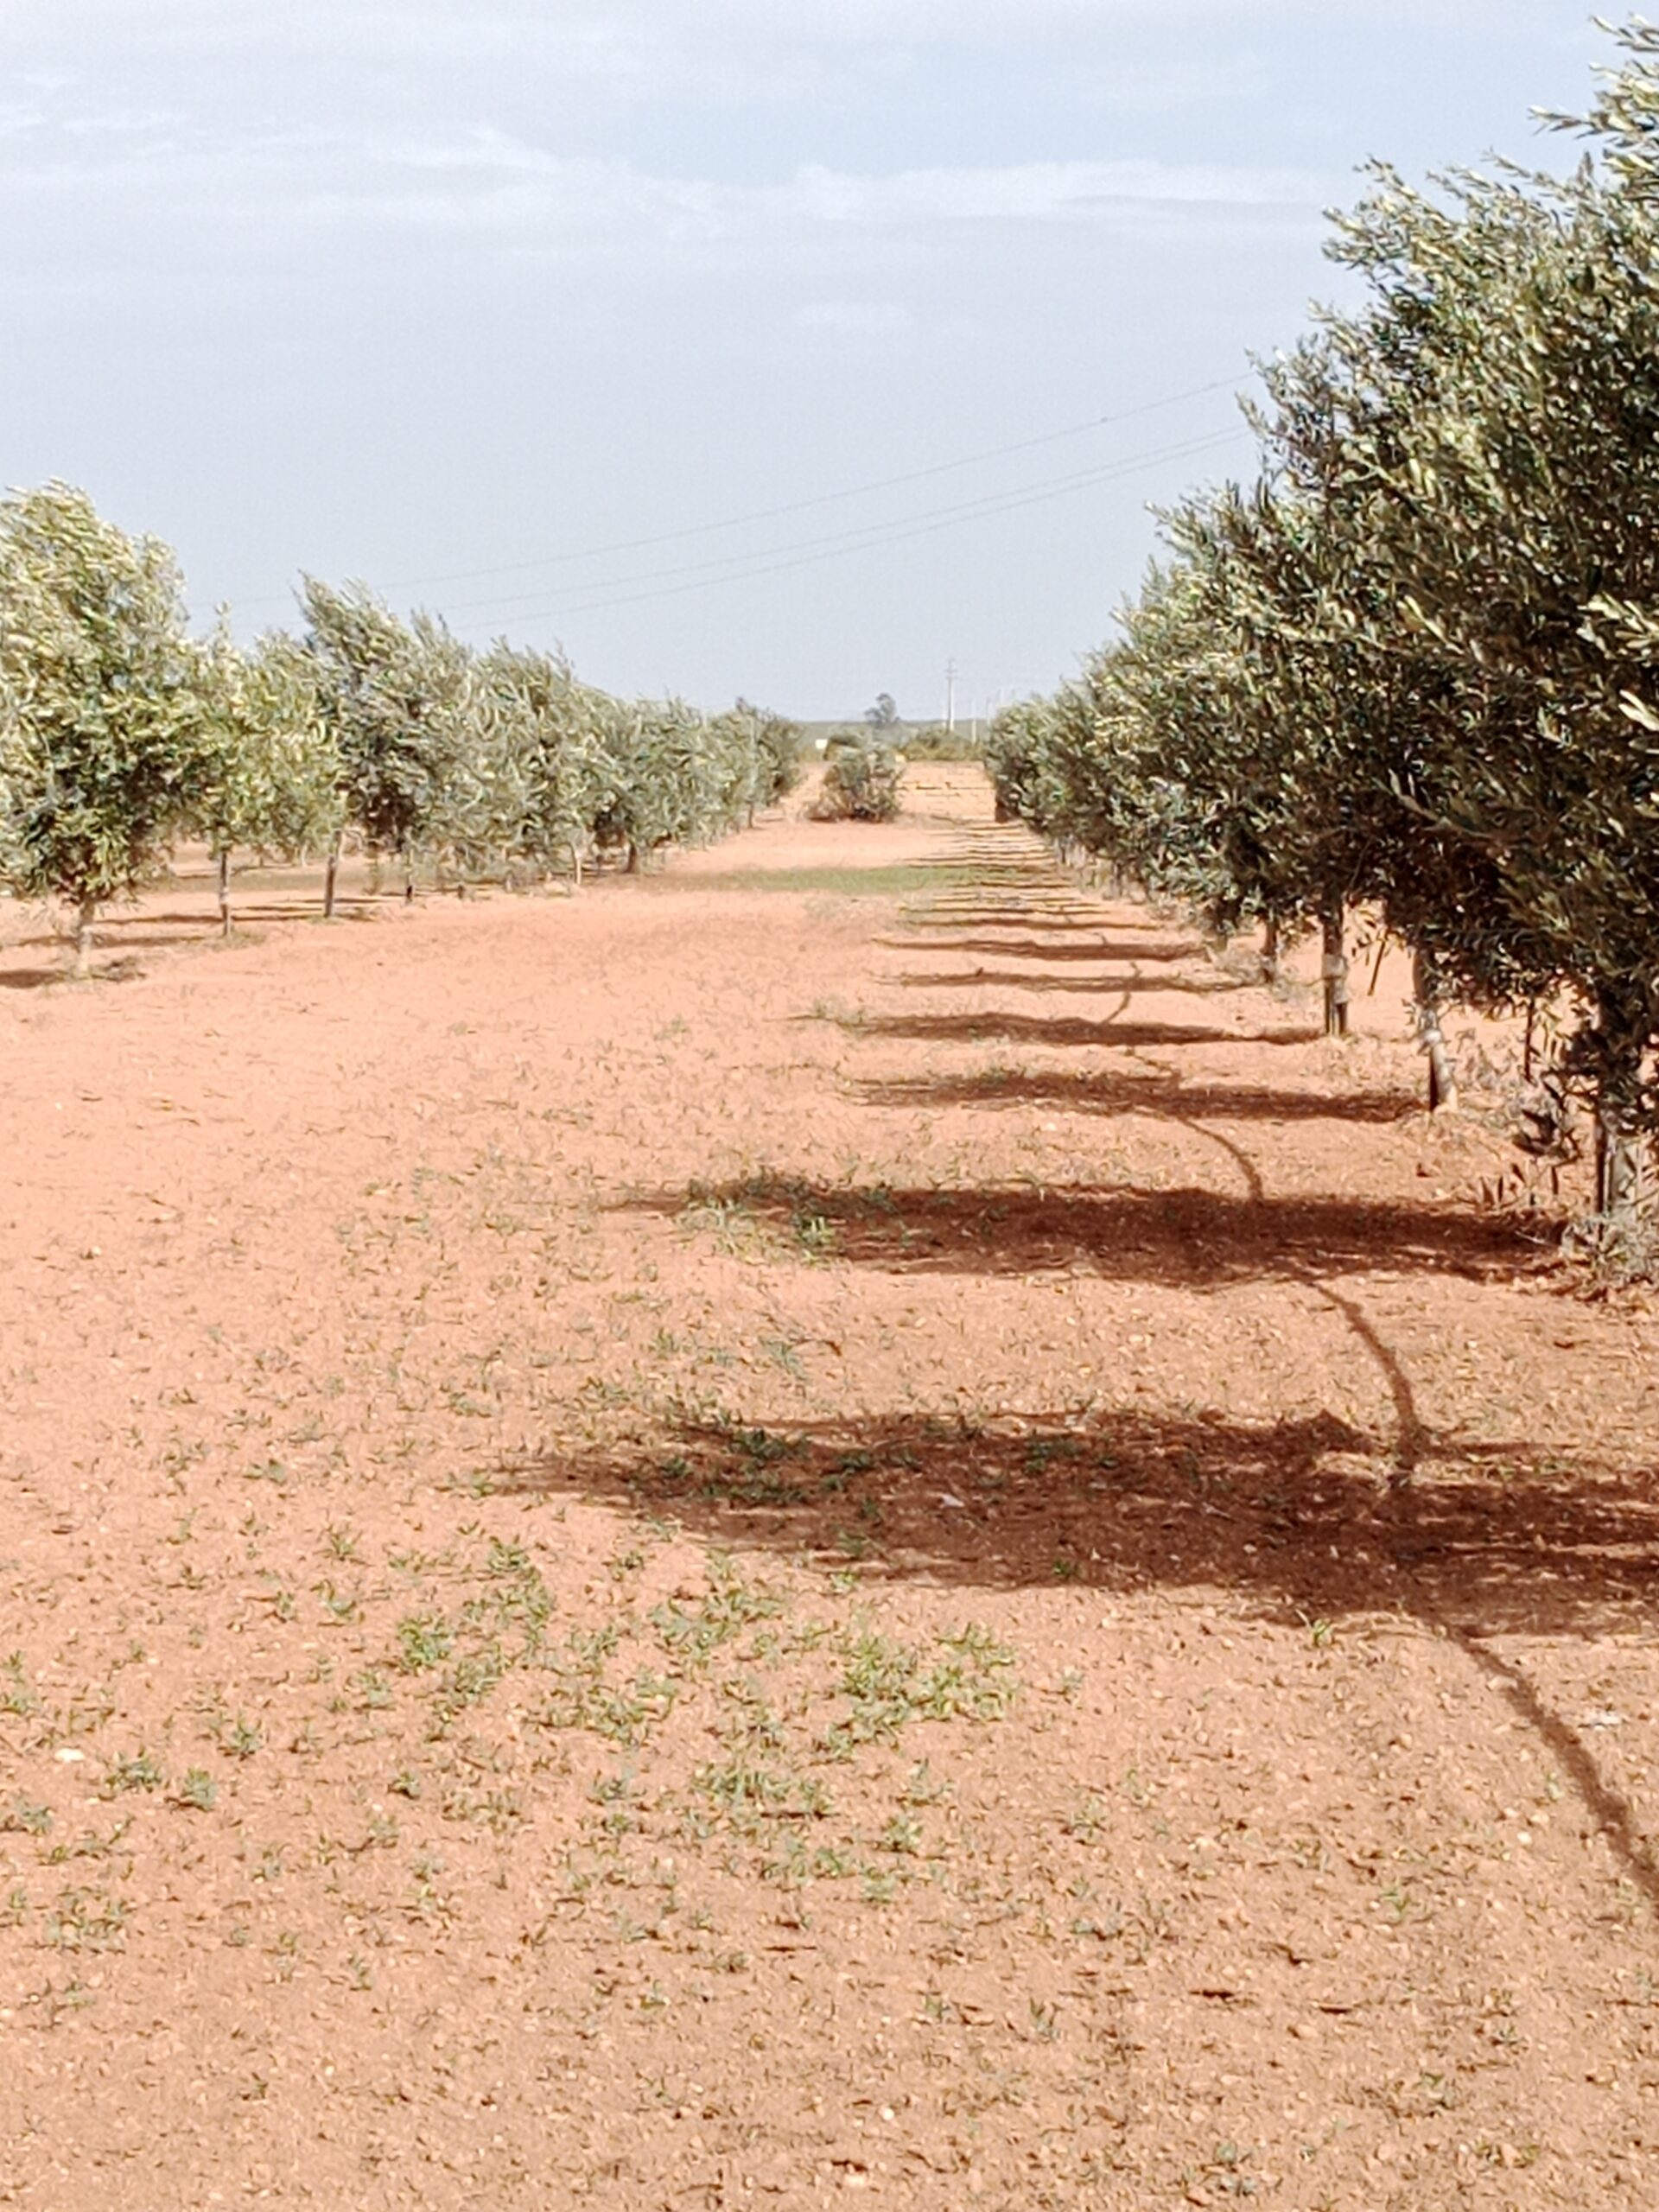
(1125, 950)
(1128, 1093)
(995, 1028)
(115, 935)
(118, 940)
(310, 910)
(984, 979)
(115, 967)
(1298, 1521)
(1191, 1238)
(1007, 914)
(1300, 1518)
(273, 908)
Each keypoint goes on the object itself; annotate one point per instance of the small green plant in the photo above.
(902, 1836)
(1086, 1818)
(139, 1771)
(240, 1737)
(423, 1641)
(87, 1920)
(861, 777)
(373, 1690)
(17, 1694)
(340, 1606)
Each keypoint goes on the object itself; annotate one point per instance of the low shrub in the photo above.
(861, 781)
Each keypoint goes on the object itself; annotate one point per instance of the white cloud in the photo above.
(275, 187)
(1029, 192)
(627, 50)
(527, 198)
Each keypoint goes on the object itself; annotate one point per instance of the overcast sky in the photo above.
(499, 306)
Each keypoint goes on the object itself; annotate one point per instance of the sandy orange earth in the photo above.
(839, 1522)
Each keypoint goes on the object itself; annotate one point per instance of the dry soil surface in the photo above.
(842, 1521)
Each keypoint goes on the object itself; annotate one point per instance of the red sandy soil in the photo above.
(842, 1521)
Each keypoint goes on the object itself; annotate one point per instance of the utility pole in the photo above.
(950, 694)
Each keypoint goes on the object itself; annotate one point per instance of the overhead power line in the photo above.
(860, 531)
(795, 506)
(827, 498)
(879, 536)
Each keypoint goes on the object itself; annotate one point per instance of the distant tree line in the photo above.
(1413, 665)
(120, 734)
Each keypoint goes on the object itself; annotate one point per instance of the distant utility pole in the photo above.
(950, 694)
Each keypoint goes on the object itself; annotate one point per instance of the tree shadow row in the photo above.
(1188, 1238)
(1298, 1517)
(1127, 1092)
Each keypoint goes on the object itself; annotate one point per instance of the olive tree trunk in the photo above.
(1619, 1179)
(86, 915)
(1273, 950)
(224, 886)
(1333, 967)
(330, 880)
(1618, 1048)
(1428, 998)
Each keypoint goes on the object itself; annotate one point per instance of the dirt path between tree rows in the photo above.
(840, 1522)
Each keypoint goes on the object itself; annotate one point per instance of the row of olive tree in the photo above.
(1416, 664)
(120, 733)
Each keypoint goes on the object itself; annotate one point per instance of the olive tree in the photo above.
(269, 775)
(396, 698)
(1500, 417)
(862, 778)
(553, 726)
(664, 780)
(1179, 760)
(100, 707)
(1421, 664)
(765, 753)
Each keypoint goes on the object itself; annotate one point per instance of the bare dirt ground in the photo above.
(839, 1522)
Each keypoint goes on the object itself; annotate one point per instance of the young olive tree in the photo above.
(396, 698)
(662, 783)
(782, 746)
(765, 753)
(269, 777)
(557, 726)
(100, 706)
(861, 780)
(1018, 745)
(300, 805)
